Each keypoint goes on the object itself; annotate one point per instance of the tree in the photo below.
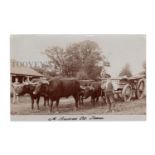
(126, 71)
(144, 69)
(81, 75)
(46, 70)
(85, 56)
(81, 57)
(57, 57)
(144, 65)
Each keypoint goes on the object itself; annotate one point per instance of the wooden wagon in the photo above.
(130, 87)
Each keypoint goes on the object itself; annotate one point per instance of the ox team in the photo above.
(56, 88)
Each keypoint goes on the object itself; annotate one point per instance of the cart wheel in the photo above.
(127, 93)
(140, 92)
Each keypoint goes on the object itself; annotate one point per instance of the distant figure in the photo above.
(27, 81)
(15, 86)
(109, 94)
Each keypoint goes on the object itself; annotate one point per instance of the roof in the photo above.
(127, 78)
(137, 77)
(26, 71)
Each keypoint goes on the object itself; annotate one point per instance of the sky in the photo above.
(119, 49)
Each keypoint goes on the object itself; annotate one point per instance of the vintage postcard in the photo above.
(80, 77)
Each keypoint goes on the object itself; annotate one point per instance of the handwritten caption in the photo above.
(74, 118)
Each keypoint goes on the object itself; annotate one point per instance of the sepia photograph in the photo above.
(78, 77)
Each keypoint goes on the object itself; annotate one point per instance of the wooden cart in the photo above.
(132, 87)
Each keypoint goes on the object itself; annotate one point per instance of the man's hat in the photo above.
(107, 76)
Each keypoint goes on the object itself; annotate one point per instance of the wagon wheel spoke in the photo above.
(140, 89)
(127, 93)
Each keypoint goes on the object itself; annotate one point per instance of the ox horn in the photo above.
(45, 82)
(82, 87)
(91, 87)
(25, 83)
(34, 83)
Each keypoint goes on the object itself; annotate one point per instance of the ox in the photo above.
(59, 87)
(94, 91)
(29, 89)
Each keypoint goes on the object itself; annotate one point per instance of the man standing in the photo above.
(109, 94)
(15, 86)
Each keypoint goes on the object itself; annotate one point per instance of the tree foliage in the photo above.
(78, 58)
(56, 56)
(144, 69)
(144, 65)
(46, 70)
(81, 75)
(126, 71)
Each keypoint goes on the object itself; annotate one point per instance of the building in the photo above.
(22, 73)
